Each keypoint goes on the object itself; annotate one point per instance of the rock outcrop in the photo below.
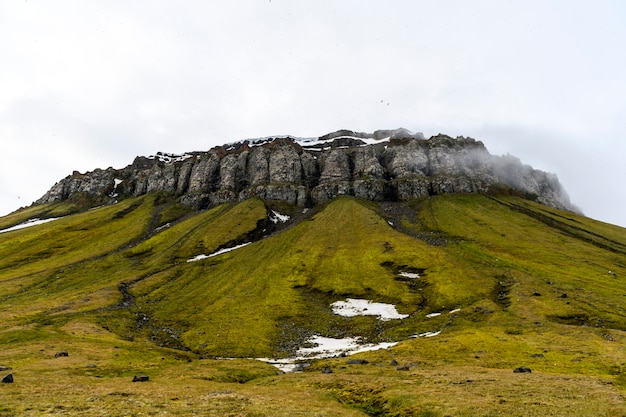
(391, 165)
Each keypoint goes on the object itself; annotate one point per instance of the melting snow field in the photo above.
(324, 347)
(28, 223)
(319, 347)
(359, 307)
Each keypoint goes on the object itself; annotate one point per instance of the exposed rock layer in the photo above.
(383, 166)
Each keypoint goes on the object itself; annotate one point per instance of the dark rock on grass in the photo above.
(327, 370)
(141, 378)
(357, 362)
(536, 294)
(8, 379)
(564, 295)
(393, 362)
(5, 368)
(403, 368)
(62, 353)
(537, 355)
(522, 369)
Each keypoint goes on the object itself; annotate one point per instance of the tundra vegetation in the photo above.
(498, 281)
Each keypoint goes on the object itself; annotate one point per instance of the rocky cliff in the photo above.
(387, 165)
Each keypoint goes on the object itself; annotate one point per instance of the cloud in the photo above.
(91, 84)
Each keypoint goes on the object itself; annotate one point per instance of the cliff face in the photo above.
(383, 166)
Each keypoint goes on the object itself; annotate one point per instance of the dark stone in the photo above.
(522, 369)
(141, 378)
(403, 368)
(564, 295)
(393, 362)
(536, 294)
(7, 379)
(91, 366)
(62, 353)
(357, 362)
(327, 370)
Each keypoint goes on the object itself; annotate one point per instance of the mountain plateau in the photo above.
(387, 165)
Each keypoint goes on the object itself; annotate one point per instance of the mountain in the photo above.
(387, 165)
(481, 303)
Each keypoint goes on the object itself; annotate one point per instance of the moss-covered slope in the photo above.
(506, 281)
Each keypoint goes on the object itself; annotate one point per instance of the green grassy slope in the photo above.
(528, 285)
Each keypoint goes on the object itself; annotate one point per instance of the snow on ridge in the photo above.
(309, 143)
(252, 142)
(28, 223)
(170, 157)
(315, 143)
(427, 334)
(219, 252)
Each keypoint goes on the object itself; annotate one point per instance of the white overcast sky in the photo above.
(88, 84)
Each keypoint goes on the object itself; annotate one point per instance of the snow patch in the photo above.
(410, 275)
(28, 223)
(431, 315)
(325, 347)
(359, 307)
(276, 217)
(165, 226)
(219, 252)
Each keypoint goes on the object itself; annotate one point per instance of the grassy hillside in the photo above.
(503, 282)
